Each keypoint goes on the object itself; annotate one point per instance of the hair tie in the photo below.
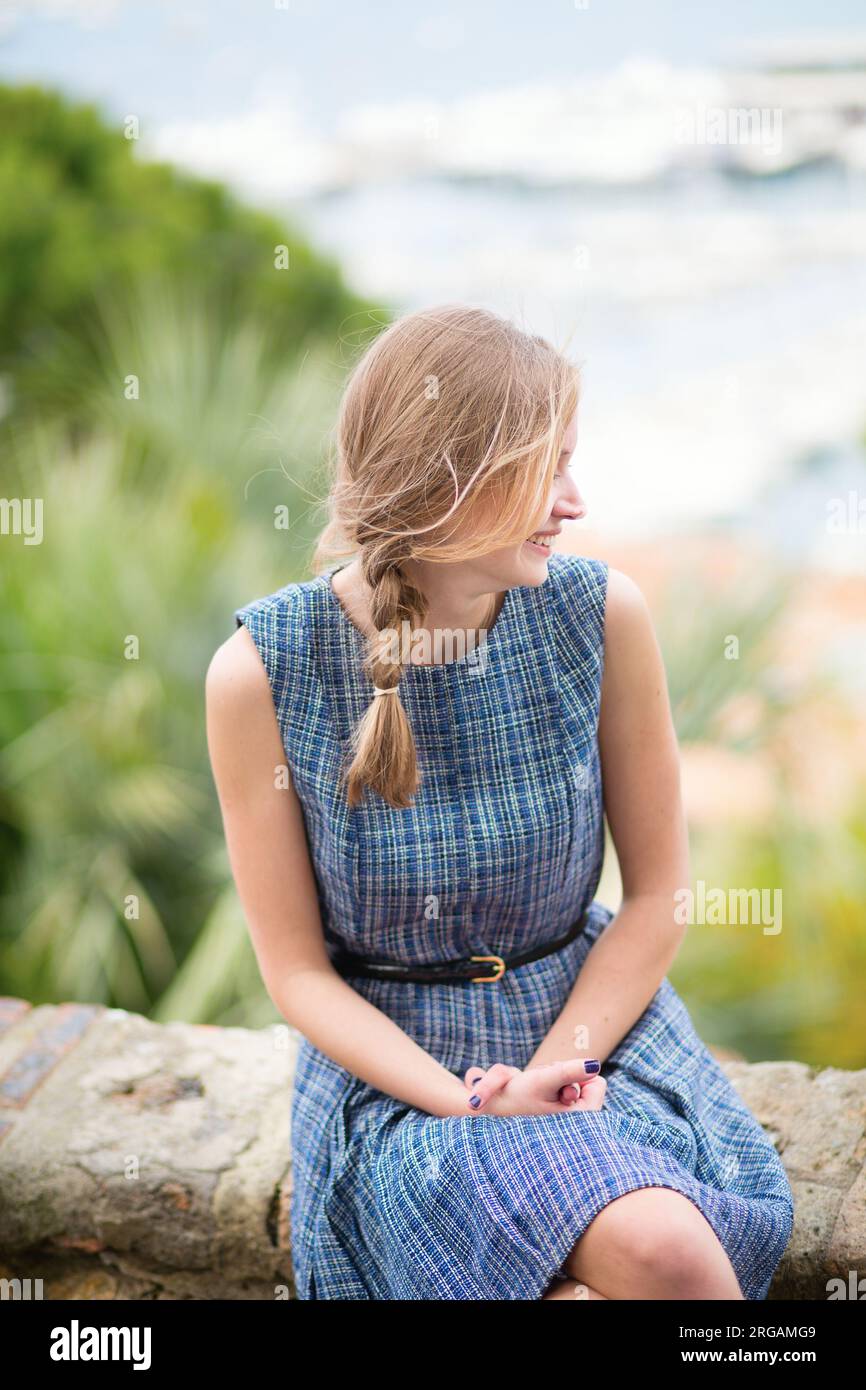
(392, 690)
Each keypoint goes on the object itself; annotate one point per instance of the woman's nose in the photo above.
(570, 505)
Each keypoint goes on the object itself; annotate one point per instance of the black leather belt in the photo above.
(450, 971)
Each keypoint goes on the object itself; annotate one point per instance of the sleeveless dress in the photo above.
(502, 850)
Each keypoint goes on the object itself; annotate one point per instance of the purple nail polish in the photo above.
(475, 1079)
(475, 1101)
(592, 1066)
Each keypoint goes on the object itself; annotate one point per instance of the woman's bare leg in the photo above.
(571, 1289)
(653, 1243)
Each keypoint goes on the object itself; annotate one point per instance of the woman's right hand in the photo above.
(505, 1090)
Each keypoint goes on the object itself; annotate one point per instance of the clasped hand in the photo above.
(549, 1088)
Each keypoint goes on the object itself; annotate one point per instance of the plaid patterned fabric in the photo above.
(502, 849)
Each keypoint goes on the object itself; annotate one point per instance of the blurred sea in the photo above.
(713, 289)
(720, 320)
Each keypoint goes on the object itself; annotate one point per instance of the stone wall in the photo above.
(143, 1160)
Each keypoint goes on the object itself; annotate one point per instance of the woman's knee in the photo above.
(676, 1249)
(655, 1240)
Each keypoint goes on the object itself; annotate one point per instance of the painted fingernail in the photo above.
(475, 1079)
(475, 1101)
(592, 1066)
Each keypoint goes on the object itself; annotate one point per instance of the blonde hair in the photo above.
(448, 437)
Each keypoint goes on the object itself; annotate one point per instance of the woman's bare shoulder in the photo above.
(625, 600)
(631, 652)
(243, 736)
(236, 682)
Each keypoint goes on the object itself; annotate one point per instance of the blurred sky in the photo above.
(170, 60)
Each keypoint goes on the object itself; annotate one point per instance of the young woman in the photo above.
(498, 1094)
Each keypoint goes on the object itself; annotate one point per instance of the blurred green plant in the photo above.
(796, 993)
(165, 389)
(185, 503)
(717, 645)
(83, 221)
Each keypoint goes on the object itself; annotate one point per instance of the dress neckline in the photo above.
(496, 634)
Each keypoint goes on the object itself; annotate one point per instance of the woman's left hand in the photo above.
(471, 1078)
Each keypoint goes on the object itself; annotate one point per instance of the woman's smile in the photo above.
(541, 543)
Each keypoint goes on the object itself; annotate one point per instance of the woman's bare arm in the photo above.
(270, 860)
(641, 778)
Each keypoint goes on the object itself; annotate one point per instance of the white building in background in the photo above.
(819, 86)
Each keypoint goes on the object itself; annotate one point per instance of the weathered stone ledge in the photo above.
(140, 1160)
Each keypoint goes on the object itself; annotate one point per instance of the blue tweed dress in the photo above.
(501, 850)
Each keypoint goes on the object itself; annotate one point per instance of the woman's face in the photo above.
(526, 563)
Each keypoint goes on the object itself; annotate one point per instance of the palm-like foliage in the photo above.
(717, 643)
(156, 527)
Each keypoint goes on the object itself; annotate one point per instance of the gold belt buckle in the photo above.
(488, 979)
